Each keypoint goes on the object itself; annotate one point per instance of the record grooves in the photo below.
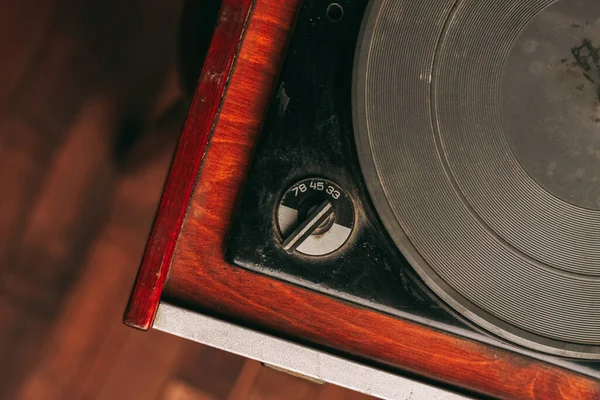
(488, 233)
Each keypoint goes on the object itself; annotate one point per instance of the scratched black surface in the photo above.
(308, 132)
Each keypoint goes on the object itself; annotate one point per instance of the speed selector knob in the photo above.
(315, 217)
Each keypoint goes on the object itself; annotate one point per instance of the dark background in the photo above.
(93, 94)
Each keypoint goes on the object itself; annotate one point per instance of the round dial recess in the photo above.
(315, 217)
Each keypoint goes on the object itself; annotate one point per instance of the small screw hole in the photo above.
(335, 12)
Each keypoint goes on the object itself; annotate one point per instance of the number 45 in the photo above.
(317, 185)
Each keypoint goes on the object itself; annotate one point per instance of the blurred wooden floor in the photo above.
(90, 109)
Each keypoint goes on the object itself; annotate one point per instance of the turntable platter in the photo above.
(477, 125)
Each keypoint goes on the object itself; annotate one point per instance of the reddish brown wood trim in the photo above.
(191, 149)
(201, 278)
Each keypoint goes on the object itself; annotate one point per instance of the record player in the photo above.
(436, 162)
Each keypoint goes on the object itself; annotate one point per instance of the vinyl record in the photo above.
(477, 124)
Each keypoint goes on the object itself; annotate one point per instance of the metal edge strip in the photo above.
(293, 357)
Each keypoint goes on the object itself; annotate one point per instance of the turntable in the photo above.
(423, 194)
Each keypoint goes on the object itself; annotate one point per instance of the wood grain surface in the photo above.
(201, 279)
(190, 151)
(60, 111)
(75, 217)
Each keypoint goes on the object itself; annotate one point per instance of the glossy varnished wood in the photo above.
(74, 221)
(200, 278)
(190, 151)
